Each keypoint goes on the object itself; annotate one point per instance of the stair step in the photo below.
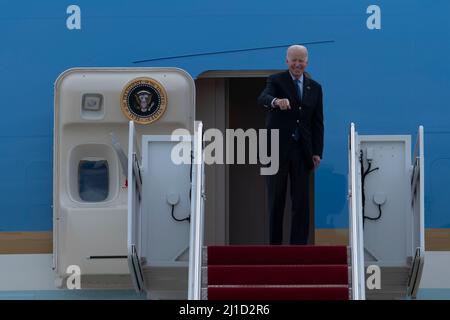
(276, 254)
(277, 274)
(271, 292)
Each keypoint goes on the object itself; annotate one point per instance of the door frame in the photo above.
(216, 233)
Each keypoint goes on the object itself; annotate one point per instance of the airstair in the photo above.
(386, 239)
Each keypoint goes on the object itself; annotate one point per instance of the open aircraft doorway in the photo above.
(236, 206)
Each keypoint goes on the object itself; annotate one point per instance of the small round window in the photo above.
(93, 180)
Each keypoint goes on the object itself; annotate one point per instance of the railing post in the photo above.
(356, 239)
(196, 231)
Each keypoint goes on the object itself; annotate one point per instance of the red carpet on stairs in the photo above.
(277, 273)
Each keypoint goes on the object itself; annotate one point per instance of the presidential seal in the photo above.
(143, 100)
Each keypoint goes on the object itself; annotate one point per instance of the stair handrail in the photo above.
(356, 239)
(418, 191)
(415, 274)
(196, 230)
(418, 211)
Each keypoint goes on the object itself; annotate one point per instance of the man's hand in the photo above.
(283, 104)
(316, 160)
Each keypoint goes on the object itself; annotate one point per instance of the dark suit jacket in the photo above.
(307, 114)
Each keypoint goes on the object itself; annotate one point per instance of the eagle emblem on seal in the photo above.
(143, 100)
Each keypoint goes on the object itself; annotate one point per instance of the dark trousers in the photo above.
(298, 173)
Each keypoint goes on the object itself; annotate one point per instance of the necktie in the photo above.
(299, 89)
(296, 134)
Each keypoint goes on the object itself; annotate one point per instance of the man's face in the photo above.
(297, 60)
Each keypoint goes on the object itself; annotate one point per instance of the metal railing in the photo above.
(418, 211)
(197, 219)
(356, 240)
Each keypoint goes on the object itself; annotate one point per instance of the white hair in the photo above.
(297, 47)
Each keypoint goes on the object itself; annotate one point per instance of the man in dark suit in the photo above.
(294, 107)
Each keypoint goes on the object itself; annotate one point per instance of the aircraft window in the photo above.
(93, 180)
